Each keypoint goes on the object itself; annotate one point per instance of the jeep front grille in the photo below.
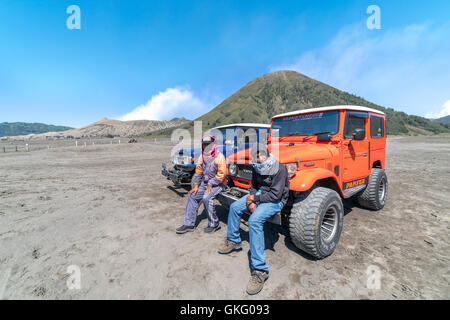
(244, 171)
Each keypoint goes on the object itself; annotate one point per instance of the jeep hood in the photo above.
(302, 151)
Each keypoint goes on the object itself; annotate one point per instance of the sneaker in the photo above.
(184, 229)
(256, 282)
(212, 229)
(229, 247)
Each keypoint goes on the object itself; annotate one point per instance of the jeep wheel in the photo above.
(375, 195)
(316, 220)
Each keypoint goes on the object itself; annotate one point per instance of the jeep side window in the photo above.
(263, 133)
(353, 122)
(376, 127)
(251, 135)
(240, 136)
(246, 135)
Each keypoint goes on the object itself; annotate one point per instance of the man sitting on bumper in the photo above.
(210, 178)
(268, 195)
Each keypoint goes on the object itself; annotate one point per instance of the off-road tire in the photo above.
(307, 216)
(373, 197)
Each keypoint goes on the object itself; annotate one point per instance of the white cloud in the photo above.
(173, 102)
(445, 111)
(407, 69)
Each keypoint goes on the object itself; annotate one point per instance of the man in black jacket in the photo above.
(268, 195)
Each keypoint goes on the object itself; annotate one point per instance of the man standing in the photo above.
(210, 178)
(268, 195)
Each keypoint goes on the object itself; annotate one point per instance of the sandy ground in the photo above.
(108, 210)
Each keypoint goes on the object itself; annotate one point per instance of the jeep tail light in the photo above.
(291, 169)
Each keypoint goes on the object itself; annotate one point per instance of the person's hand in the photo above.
(193, 190)
(209, 189)
(250, 199)
(252, 207)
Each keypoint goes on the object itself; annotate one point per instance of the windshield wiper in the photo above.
(317, 133)
(314, 134)
(301, 134)
(293, 134)
(289, 135)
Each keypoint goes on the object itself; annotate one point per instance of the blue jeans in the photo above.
(255, 224)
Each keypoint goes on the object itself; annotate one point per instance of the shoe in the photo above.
(212, 229)
(256, 282)
(184, 229)
(229, 247)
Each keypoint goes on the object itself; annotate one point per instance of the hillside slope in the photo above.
(285, 91)
(110, 128)
(444, 120)
(23, 128)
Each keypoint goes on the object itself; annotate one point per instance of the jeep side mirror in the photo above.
(359, 134)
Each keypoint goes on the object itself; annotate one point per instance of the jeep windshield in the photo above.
(306, 124)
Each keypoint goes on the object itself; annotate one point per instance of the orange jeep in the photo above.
(330, 153)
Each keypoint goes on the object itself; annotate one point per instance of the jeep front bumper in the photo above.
(230, 195)
(177, 175)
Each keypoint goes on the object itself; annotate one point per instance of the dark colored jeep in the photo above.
(231, 138)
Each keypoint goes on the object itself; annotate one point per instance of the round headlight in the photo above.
(291, 169)
(232, 168)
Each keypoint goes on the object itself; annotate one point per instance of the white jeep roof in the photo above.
(260, 125)
(330, 108)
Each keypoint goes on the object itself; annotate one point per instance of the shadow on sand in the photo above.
(272, 232)
(180, 191)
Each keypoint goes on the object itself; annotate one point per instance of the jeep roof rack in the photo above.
(355, 108)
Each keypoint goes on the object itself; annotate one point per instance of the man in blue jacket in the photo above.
(268, 195)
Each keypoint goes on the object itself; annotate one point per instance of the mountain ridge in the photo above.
(108, 128)
(257, 102)
(24, 128)
(445, 119)
(285, 91)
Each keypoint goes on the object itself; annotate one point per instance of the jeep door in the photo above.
(356, 168)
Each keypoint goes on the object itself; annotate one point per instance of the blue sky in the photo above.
(148, 59)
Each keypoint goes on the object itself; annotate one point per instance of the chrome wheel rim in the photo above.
(329, 223)
(382, 191)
